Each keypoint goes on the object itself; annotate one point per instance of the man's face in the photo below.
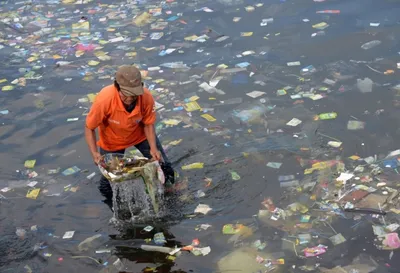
(127, 100)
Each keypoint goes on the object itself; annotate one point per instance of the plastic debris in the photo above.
(203, 209)
(197, 165)
(371, 44)
(68, 235)
(159, 238)
(30, 163)
(315, 251)
(365, 85)
(87, 243)
(294, 122)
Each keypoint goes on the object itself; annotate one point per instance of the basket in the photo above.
(137, 185)
(119, 168)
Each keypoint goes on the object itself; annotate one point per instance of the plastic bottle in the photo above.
(196, 165)
(162, 249)
(371, 44)
(325, 116)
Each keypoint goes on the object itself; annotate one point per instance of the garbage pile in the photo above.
(355, 193)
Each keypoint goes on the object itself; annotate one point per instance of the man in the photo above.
(125, 114)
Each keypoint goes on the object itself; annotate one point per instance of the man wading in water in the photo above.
(125, 114)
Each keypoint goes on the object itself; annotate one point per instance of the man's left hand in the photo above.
(156, 155)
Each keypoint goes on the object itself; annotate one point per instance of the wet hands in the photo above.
(155, 154)
(96, 157)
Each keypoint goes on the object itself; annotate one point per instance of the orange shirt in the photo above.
(119, 129)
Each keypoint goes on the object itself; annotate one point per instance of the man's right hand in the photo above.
(96, 157)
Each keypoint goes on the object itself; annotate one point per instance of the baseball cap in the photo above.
(130, 80)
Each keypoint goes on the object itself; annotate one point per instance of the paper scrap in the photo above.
(90, 176)
(30, 164)
(33, 193)
(321, 26)
(192, 166)
(246, 34)
(192, 106)
(344, 177)
(6, 189)
(117, 39)
(337, 239)
(294, 122)
(71, 171)
(32, 184)
(293, 63)
(335, 144)
(81, 26)
(201, 251)
(7, 88)
(91, 97)
(274, 165)
(68, 235)
(211, 89)
(205, 226)
(255, 94)
(208, 117)
(202, 208)
(171, 121)
(281, 92)
(93, 63)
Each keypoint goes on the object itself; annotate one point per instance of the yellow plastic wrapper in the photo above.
(91, 97)
(81, 26)
(171, 121)
(33, 193)
(142, 19)
(197, 165)
(30, 163)
(208, 117)
(192, 106)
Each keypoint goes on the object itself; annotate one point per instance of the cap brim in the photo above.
(132, 91)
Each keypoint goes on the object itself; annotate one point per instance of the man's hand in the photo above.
(90, 136)
(156, 155)
(96, 157)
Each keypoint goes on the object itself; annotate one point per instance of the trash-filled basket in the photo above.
(137, 184)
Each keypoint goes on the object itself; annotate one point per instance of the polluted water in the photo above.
(280, 118)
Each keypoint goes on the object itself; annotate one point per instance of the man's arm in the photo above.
(149, 118)
(150, 133)
(94, 119)
(90, 136)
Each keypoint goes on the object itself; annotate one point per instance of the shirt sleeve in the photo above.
(96, 115)
(149, 110)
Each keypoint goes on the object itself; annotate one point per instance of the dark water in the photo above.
(40, 103)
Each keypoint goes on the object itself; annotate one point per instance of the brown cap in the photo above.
(130, 80)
